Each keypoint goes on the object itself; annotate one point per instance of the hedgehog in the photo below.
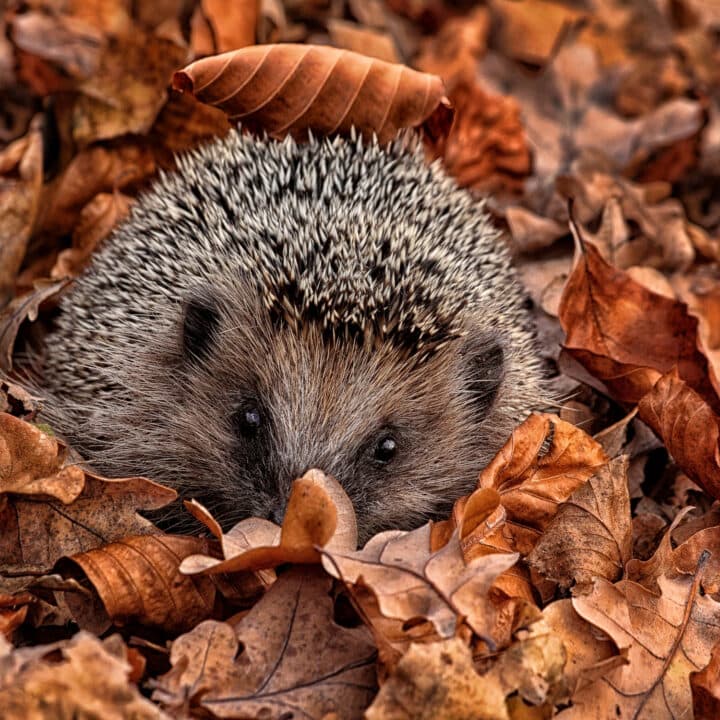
(273, 306)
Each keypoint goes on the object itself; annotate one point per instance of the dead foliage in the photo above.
(580, 578)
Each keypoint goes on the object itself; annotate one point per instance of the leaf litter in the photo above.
(580, 578)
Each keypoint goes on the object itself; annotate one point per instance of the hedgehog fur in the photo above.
(272, 306)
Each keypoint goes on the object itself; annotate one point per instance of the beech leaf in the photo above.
(138, 579)
(296, 89)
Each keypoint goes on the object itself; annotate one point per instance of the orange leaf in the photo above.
(688, 427)
(626, 335)
(138, 579)
(293, 89)
(319, 514)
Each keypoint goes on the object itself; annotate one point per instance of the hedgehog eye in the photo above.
(248, 420)
(385, 450)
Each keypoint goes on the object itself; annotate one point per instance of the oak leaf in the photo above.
(287, 655)
(665, 636)
(545, 460)
(77, 510)
(410, 581)
(297, 89)
(82, 677)
(591, 534)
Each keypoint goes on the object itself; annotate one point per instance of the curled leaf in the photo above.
(688, 427)
(319, 514)
(296, 89)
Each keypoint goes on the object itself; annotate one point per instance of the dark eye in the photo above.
(385, 450)
(248, 420)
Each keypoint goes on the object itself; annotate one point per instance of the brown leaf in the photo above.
(21, 177)
(688, 427)
(453, 51)
(232, 22)
(77, 510)
(185, 123)
(590, 654)
(97, 219)
(486, 149)
(128, 89)
(22, 308)
(705, 685)
(438, 681)
(363, 40)
(57, 49)
(138, 580)
(295, 89)
(319, 514)
(591, 534)
(287, 655)
(79, 678)
(625, 335)
(409, 581)
(666, 637)
(529, 31)
(94, 170)
(544, 461)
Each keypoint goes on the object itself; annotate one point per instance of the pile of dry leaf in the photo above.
(582, 578)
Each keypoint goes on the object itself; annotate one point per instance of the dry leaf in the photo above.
(319, 514)
(93, 170)
(128, 89)
(705, 685)
(544, 461)
(409, 581)
(76, 510)
(97, 219)
(625, 335)
(486, 149)
(666, 637)
(232, 22)
(591, 534)
(138, 580)
(79, 678)
(363, 40)
(286, 654)
(296, 89)
(438, 681)
(688, 427)
(529, 30)
(22, 308)
(21, 177)
(589, 654)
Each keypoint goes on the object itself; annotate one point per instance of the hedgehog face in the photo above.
(404, 439)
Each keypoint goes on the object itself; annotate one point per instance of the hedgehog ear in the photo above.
(200, 324)
(486, 369)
